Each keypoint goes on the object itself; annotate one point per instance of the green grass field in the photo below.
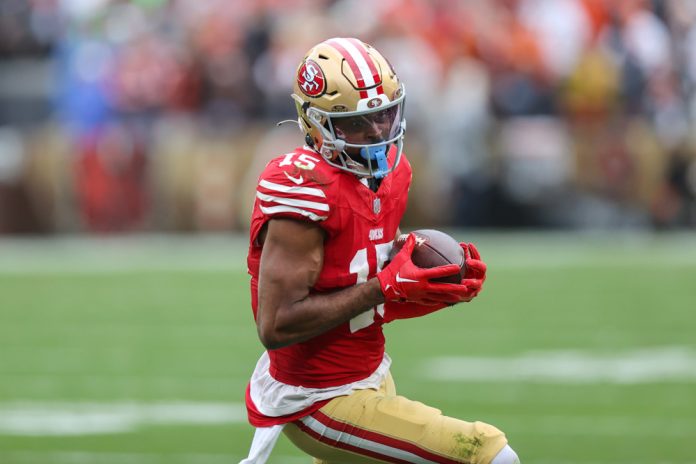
(582, 348)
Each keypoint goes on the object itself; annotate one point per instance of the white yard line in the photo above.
(82, 418)
(667, 364)
(92, 457)
(104, 457)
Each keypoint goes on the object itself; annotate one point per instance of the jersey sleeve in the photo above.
(293, 194)
(394, 310)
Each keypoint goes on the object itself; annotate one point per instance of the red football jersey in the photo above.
(360, 226)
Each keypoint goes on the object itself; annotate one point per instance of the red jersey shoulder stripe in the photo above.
(292, 189)
(277, 198)
(292, 201)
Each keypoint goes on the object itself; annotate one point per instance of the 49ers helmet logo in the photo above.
(311, 79)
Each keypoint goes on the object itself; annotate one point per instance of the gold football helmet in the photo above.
(350, 105)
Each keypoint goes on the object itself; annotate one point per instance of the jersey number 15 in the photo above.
(360, 265)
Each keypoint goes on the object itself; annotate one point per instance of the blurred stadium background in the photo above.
(557, 134)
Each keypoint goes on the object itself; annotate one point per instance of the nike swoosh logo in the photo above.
(401, 279)
(298, 180)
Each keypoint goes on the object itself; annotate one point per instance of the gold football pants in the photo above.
(377, 426)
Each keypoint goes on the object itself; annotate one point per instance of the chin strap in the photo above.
(379, 154)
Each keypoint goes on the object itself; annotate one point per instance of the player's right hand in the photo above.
(402, 280)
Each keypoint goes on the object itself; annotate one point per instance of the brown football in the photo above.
(434, 248)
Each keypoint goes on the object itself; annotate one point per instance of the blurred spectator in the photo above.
(110, 174)
(15, 216)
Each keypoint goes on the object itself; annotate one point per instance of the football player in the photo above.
(323, 223)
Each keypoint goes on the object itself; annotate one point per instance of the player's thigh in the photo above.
(379, 426)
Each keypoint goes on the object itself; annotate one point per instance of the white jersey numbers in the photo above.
(360, 265)
(304, 161)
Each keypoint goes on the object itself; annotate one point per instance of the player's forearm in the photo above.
(317, 313)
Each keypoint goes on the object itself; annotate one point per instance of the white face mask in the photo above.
(366, 135)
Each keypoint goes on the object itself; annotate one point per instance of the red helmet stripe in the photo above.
(370, 63)
(358, 61)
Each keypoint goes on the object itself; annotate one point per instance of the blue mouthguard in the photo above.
(379, 154)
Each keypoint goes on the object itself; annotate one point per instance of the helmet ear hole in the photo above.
(309, 140)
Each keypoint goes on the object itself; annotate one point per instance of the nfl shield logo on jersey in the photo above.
(376, 205)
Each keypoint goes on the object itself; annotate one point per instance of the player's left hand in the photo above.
(475, 274)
